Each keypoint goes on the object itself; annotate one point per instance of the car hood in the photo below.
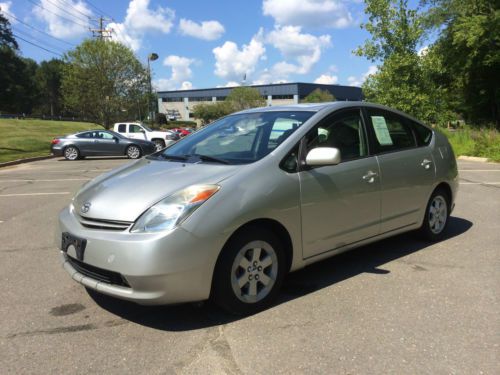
(125, 193)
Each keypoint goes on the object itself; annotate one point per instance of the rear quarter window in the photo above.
(422, 133)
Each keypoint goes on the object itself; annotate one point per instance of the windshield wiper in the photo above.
(208, 158)
(173, 157)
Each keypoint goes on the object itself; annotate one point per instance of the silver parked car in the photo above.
(100, 143)
(226, 212)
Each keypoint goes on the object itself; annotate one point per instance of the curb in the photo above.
(473, 158)
(27, 160)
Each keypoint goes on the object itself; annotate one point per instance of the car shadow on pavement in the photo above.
(95, 158)
(369, 258)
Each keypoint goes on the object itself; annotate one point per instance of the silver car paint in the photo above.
(177, 266)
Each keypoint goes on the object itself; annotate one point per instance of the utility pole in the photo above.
(101, 33)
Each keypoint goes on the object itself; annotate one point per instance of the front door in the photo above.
(340, 204)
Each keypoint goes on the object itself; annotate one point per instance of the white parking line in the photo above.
(479, 183)
(54, 180)
(479, 170)
(34, 194)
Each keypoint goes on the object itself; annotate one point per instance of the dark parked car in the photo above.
(100, 143)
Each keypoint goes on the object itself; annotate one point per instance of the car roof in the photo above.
(316, 107)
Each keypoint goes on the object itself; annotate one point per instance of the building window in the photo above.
(174, 99)
(220, 98)
(282, 96)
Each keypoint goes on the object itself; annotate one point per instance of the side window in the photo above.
(135, 129)
(423, 134)
(122, 128)
(105, 135)
(84, 135)
(391, 131)
(343, 131)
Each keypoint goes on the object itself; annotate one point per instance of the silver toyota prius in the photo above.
(226, 212)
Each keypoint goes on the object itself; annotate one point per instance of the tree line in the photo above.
(455, 77)
(100, 81)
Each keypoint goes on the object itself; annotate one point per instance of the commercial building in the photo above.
(180, 103)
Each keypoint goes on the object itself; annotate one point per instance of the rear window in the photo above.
(122, 128)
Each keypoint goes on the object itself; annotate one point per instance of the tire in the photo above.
(159, 144)
(71, 153)
(249, 272)
(133, 152)
(437, 214)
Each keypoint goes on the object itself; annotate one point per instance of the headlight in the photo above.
(173, 210)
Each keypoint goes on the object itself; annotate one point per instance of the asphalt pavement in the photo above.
(398, 306)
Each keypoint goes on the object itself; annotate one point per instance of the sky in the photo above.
(203, 44)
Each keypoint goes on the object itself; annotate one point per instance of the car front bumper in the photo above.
(157, 269)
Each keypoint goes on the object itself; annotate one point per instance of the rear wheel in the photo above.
(133, 152)
(159, 144)
(249, 272)
(71, 153)
(436, 216)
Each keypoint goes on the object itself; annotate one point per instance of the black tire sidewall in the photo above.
(222, 292)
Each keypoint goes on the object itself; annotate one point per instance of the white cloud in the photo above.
(181, 73)
(61, 24)
(358, 81)
(233, 63)
(310, 13)
(207, 30)
(304, 49)
(327, 79)
(5, 10)
(141, 20)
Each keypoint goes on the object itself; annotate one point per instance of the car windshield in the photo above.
(237, 139)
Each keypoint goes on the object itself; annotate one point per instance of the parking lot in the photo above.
(398, 306)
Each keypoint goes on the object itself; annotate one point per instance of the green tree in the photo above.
(319, 96)
(49, 78)
(242, 98)
(6, 37)
(102, 80)
(467, 52)
(211, 112)
(401, 82)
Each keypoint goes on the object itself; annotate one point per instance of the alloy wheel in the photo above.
(438, 214)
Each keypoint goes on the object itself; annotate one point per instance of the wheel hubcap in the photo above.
(438, 214)
(254, 271)
(133, 152)
(71, 153)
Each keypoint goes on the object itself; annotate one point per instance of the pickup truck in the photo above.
(136, 130)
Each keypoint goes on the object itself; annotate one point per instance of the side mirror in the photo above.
(115, 139)
(143, 131)
(323, 156)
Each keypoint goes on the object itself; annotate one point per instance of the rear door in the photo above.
(340, 204)
(406, 169)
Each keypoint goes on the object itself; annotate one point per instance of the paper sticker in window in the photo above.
(381, 131)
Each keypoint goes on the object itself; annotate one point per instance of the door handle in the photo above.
(370, 177)
(426, 163)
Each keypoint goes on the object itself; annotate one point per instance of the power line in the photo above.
(40, 31)
(58, 15)
(27, 35)
(64, 2)
(101, 32)
(67, 12)
(99, 10)
(33, 44)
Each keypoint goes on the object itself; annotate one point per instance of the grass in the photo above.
(475, 142)
(21, 139)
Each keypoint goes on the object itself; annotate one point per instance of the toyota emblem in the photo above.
(85, 208)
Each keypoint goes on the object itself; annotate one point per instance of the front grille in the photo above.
(99, 274)
(104, 224)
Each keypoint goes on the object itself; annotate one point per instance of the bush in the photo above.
(483, 142)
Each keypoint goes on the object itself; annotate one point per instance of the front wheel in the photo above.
(436, 216)
(249, 272)
(133, 152)
(159, 144)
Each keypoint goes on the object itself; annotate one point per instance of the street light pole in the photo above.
(151, 57)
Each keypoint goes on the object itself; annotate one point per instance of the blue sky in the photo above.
(209, 43)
